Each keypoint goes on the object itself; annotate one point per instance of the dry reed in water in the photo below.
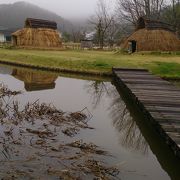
(36, 142)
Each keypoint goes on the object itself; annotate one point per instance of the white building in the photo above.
(2, 37)
(5, 35)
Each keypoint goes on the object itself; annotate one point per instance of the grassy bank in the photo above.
(95, 61)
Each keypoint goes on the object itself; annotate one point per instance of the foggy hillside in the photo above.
(13, 15)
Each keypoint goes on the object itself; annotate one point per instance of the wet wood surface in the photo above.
(159, 100)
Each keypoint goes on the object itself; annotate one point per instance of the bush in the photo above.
(7, 46)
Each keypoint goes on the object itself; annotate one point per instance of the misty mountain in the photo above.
(13, 16)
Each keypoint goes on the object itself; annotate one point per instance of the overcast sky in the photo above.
(66, 8)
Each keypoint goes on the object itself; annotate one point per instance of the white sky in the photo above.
(66, 8)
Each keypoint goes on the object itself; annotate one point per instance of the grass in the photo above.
(164, 65)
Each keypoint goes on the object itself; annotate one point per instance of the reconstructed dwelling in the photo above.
(37, 33)
(86, 44)
(152, 36)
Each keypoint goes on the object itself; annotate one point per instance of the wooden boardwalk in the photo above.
(158, 100)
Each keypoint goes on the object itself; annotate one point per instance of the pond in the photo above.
(115, 139)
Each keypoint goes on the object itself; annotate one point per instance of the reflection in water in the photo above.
(132, 132)
(34, 81)
(97, 90)
(130, 136)
(5, 70)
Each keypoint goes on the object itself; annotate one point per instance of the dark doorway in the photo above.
(132, 46)
(14, 40)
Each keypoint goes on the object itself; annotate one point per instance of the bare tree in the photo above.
(77, 33)
(175, 8)
(112, 32)
(171, 14)
(102, 21)
(131, 10)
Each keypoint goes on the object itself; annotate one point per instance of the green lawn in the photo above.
(95, 61)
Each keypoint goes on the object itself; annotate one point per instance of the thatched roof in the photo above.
(40, 23)
(153, 24)
(154, 40)
(39, 37)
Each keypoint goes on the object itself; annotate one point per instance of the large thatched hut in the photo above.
(37, 33)
(152, 36)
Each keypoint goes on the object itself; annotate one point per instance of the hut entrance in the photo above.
(14, 40)
(132, 46)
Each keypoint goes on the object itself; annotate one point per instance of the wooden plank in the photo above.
(139, 76)
(161, 93)
(134, 78)
(163, 107)
(118, 69)
(159, 99)
(158, 96)
(152, 87)
(167, 119)
(162, 116)
(161, 104)
(146, 82)
(162, 96)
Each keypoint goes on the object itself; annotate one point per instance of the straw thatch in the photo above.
(37, 37)
(40, 23)
(153, 36)
(154, 40)
(38, 33)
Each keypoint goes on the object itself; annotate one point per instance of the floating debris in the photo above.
(87, 148)
(101, 171)
(4, 91)
(72, 131)
(36, 142)
(41, 133)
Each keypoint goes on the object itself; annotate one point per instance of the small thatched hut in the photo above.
(37, 33)
(86, 44)
(152, 36)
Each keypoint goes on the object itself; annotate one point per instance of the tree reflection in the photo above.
(130, 136)
(97, 90)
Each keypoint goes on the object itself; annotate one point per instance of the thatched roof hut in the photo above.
(152, 36)
(37, 33)
(85, 43)
(35, 81)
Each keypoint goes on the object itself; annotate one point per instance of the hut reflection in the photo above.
(130, 136)
(35, 81)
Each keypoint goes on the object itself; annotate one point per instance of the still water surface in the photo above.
(134, 146)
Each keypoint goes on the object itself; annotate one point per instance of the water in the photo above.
(119, 129)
